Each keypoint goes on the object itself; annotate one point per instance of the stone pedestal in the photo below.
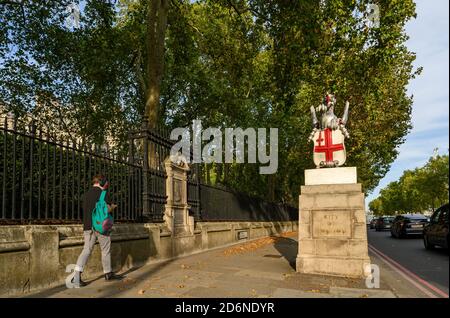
(332, 225)
(176, 214)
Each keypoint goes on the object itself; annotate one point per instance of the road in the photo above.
(428, 269)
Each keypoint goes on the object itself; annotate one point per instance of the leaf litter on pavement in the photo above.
(256, 244)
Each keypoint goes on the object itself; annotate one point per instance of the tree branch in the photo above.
(234, 7)
(15, 2)
(137, 63)
(254, 12)
(176, 4)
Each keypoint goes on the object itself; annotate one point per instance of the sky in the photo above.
(429, 39)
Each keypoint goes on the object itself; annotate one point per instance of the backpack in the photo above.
(102, 220)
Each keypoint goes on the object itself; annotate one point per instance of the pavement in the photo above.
(262, 268)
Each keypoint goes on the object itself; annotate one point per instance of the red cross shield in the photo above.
(329, 147)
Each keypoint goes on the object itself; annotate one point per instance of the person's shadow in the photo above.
(288, 248)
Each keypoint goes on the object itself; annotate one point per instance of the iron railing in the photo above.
(43, 178)
(226, 205)
(149, 147)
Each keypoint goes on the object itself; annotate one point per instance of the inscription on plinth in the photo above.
(331, 224)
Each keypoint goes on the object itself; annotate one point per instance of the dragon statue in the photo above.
(328, 134)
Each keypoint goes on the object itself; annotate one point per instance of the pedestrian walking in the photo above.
(97, 192)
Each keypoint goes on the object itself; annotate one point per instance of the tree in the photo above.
(418, 190)
(75, 80)
(432, 182)
(230, 63)
(376, 207)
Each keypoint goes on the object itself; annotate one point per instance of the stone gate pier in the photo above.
(176, 214)
(332, 224)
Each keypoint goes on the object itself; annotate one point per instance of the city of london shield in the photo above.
(329, 148)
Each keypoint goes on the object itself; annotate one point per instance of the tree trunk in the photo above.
(155, 46)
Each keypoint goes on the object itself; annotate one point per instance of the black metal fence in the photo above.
(149, 148)
(225, 205)
(43, 178)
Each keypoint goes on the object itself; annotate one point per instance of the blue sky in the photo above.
(429, 38)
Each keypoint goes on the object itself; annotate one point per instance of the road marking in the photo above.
(411, 277)
(422, 289)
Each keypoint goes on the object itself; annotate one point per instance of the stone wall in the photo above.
(34, 257)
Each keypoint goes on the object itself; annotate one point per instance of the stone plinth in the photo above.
(332, 227)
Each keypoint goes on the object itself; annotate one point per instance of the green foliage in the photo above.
(74, 80)
(422, 189)
(230, 63)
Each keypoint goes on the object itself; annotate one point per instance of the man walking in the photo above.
(90, 198)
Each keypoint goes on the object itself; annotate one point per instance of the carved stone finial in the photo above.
(178, 159)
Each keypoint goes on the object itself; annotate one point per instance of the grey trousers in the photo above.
(90, 238)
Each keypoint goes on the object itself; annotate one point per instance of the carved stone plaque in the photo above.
(177, 191)
(178, 217)
(332, 224)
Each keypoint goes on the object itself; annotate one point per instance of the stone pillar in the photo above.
(332, 224)
(176, 214)
(44, 255)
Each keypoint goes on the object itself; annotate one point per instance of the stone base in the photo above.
(332, 230)
(341, 267)
(183, 245)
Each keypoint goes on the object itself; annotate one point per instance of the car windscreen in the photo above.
(416, 218)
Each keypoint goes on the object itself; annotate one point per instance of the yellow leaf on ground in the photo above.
(314, 291)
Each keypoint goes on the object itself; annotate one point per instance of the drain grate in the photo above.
(273, 256)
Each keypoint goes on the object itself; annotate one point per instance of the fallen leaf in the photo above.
(180, 286)
(314, 291)
(141, 292)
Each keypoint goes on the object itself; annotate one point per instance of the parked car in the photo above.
(436, 232)
(407, 224)
(383, 223)
(372, 223)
